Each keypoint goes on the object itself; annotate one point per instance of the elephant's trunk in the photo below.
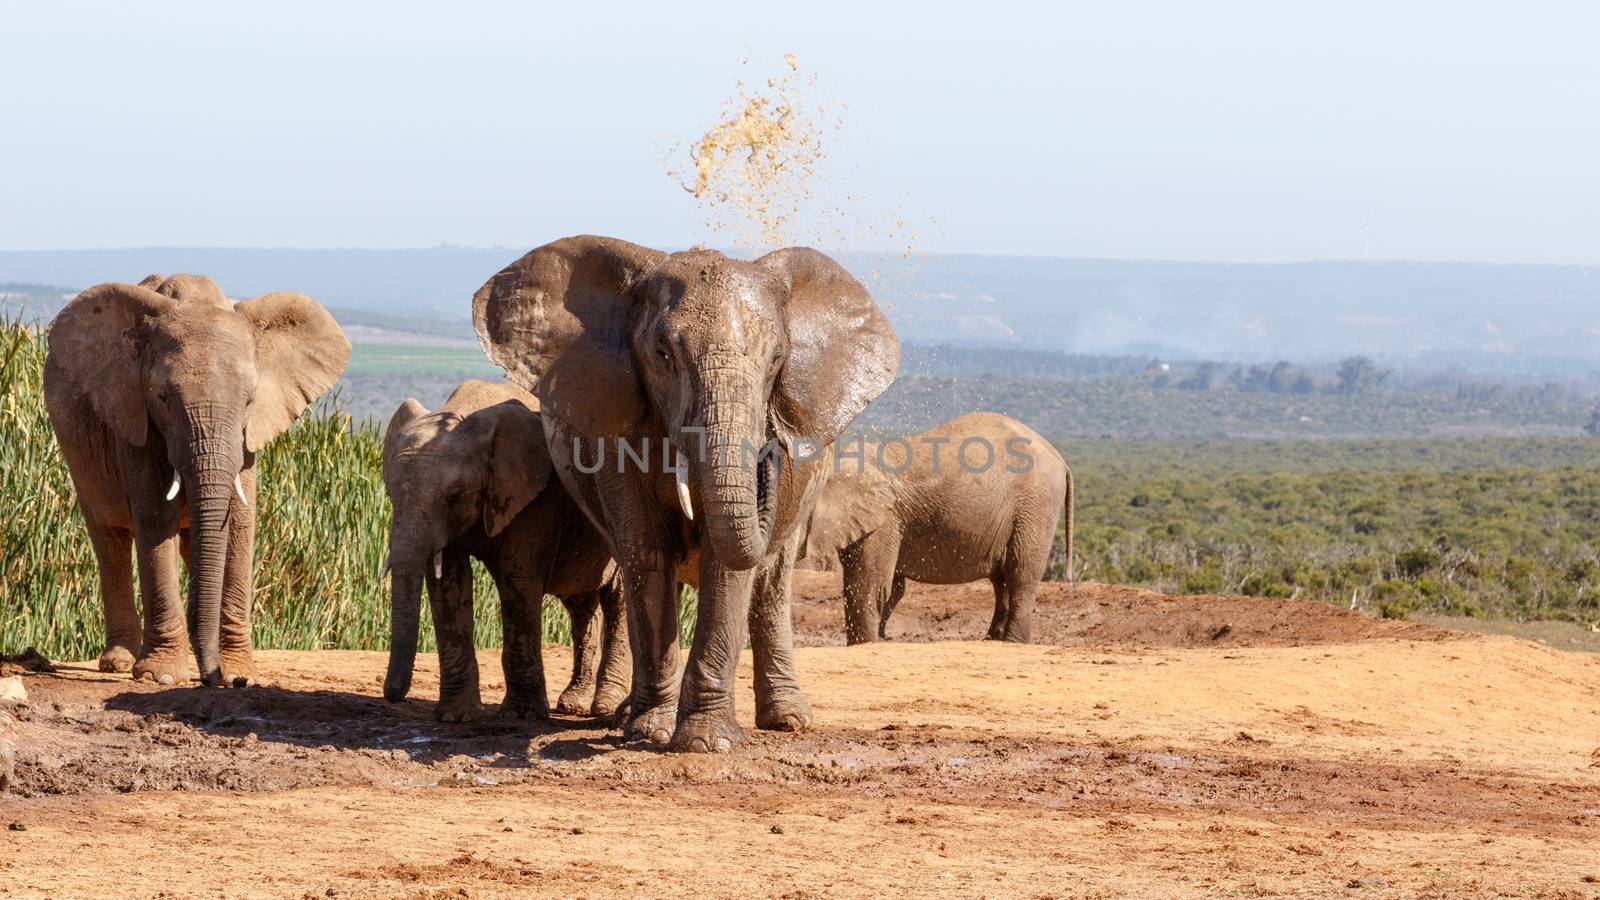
(738, 483)
(214, 467)
(405, 611)
(411, 550)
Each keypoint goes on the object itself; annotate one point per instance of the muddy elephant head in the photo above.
(446, 474)
(723, 357)
(170, 363)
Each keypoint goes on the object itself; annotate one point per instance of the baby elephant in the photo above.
(474, 480)
(977, 497)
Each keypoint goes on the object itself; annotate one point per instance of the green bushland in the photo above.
(1481, 527)
(322, 531)
(1136, 408)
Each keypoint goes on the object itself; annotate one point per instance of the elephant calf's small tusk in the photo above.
(173, 491)
(238, 488)
(438, 564)
(680, 474)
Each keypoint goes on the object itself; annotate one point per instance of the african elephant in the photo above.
(161, 394)
(474, 480)
(977, 497)
(686, 399)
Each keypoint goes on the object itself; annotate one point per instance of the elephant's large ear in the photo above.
(97, 340)
(301, 352)
(558, 321)
(519, 463)
(842, 351)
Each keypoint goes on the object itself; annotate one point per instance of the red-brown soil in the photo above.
(1139, 749)
(1092, 613)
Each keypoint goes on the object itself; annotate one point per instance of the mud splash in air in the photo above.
(763, 176)
(754, 169)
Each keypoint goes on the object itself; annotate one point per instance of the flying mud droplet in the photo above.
(758, 174)
(754, 168)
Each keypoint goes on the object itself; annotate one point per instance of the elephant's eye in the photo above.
(663, 352)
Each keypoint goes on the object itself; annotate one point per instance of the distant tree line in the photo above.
(1353, 376)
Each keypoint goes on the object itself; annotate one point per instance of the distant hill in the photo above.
(1494, 318)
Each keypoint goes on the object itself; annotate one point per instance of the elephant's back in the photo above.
(474, 394)
(983, 451)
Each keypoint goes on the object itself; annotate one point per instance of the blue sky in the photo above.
(1218, 130)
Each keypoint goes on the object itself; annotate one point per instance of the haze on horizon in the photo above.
(1240, 131)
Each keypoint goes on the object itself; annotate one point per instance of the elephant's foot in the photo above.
(784, 711)
(1015, 633)
(118, 658)
(863, 631)
(653, 724)
(525, 705)
(576, 699)
(462, 707)
(608, 701)
(707, 732)
(239, 668)
(162, 666)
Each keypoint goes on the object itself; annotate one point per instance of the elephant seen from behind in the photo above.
(978, 497)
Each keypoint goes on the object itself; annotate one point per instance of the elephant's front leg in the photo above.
(522, 648)
(612, 690)
(113, 550)
(238, 587)
(650, 588)
(166, 636)
(579, 693)
(897, 592)
(780, 704)
(450, 598)
(640, 542)
(705, 712)
(868, 566)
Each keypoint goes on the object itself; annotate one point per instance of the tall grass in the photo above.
(48, 580)
(322, 531)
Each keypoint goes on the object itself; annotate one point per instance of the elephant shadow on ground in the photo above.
(323, 720)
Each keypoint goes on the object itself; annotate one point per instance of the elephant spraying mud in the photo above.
(474, 479)
(161, 394)
(726, 378)
(977, 497)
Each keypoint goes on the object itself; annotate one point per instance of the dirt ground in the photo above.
(1147, 746)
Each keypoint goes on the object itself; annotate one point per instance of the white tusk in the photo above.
(438, 564)
(173, 491)
(387, 558)
(238, 488)
(680, 473)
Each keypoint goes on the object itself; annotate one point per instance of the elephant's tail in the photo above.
(1067, 516)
